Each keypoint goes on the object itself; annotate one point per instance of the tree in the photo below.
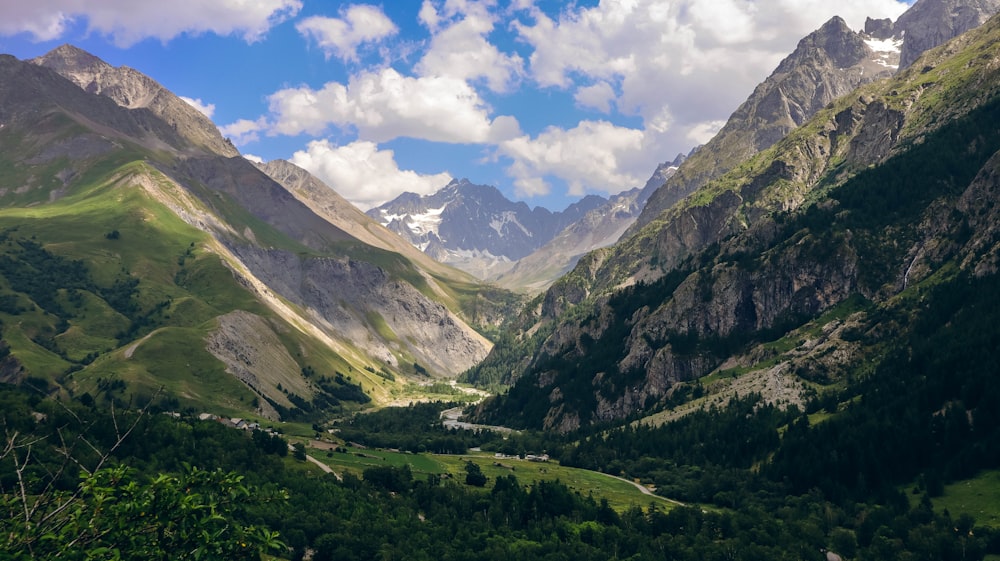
(111, 512)
(474, 475)
(114, 515)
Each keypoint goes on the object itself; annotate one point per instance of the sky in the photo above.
(548, 101)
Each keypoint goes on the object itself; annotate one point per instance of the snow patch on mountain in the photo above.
(886, 51)
(508, 217)
(421, 224)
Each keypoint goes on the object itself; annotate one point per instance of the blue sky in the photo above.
(546, 100)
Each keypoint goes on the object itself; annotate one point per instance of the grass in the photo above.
(621, 495)
(979, 497)
(175, 360)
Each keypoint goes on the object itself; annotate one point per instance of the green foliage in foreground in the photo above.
(113, 515)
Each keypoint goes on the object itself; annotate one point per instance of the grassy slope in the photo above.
(169, 258)
(621, 495)
(979, 496)
(175, 264)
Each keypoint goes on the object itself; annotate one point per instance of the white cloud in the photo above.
(681, 65)
(593, 156)
(253, 158)
(429, 15)
(384, 104)
(244, 131)
(598, 96)
(461, 49)
(363, 174)
(206, 109)
(358, 24)
(703, 132)
(128, 21)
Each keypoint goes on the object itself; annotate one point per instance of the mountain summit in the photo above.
(132, 89)
(474, 227)
(803, 263)
(826, 64)
(139, 251)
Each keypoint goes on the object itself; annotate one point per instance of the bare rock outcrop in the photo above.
(132, 89)
(362, 304)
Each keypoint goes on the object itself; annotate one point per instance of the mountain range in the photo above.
(144, 256)
(476, 229)
(477, 233)
(763, 278)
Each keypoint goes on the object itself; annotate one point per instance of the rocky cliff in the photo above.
(863, 203)
(826, 64)
(930, 23)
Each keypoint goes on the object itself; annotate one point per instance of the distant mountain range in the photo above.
(477, 229)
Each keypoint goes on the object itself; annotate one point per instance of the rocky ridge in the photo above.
(474, 227)
(132, 89)
(743, 261)
(59, 129)
(826, 64)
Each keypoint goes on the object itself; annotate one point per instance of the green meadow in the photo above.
(621, 495)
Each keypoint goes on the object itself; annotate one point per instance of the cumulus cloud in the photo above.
(363, 174)
(680, 66)
(253, 158)
(128, 22)
(206, 109)
(593, 156)
(673, 69)
(358, 24)
(460, 49)
(598, 96)
(244, 131)
(384, 104)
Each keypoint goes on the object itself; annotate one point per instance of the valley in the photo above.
(782, 346)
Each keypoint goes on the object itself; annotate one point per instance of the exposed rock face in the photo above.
(825, 65)
(353, 300)
(930, 23)
(879, 28)
(742, 257)
(132, 89)
(247, 344)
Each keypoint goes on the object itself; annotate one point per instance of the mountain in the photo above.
(142, 256)
(601, 227)
(929, 23)
(132, 89)
(826, 64)
(800, 270)
(474, 227)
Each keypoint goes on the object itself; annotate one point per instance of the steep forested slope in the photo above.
(887, 191)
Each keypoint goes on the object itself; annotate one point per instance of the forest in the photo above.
(221, 493)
